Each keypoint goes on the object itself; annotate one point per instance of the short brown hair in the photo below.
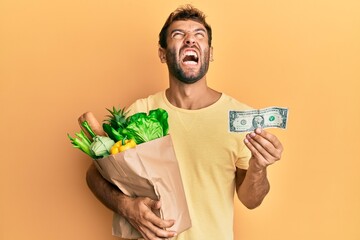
(187, 12)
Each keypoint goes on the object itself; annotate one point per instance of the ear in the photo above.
(162, 55)
(211, 54)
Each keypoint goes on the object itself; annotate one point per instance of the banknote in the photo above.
(247, 121)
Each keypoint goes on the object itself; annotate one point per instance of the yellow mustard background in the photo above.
(59, 59)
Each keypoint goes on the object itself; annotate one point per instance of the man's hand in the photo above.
(140, 212)
(265, 148)
(252, 184)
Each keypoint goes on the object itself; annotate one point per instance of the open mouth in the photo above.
(190, 57)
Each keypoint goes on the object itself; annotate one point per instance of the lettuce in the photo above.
(144, 127)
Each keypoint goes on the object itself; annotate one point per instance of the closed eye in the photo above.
(200, 35)
(180, 34)
(177, 34)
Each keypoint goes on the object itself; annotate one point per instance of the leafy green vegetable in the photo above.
(143, 129)
(82, 142)
(140, 127)
(87, 127)
(111, 132)
(136, 116)
(101, 146)
(162, 116)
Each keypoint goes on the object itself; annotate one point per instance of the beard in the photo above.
(175, 69)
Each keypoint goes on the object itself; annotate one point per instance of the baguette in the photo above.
(93, 123)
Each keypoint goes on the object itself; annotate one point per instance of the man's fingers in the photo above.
(268, 142)
(152, 204)
(270, 137)
(157, 228)
(152, 232)
(257, 149)
(158, 222)
(264, 146)
(143, 217)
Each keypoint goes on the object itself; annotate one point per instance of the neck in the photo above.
(191, 96)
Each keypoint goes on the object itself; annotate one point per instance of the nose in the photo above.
(190, 39)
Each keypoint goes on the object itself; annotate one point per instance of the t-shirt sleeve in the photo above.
(139, 105)
(145, 104)
(244, 157)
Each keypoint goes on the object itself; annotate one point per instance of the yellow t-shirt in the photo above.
(208, 155)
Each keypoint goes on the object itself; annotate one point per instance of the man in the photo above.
(213, 162)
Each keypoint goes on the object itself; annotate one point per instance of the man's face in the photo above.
(188, 52)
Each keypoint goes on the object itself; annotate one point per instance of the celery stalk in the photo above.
(82, 142)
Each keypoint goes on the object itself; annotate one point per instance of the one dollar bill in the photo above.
(248, 120)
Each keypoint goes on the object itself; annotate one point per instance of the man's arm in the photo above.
(138, 211)
(252, 185)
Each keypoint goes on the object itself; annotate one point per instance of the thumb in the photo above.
(156, 205)
(153, 204)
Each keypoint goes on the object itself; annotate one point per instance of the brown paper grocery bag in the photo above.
(148, 170)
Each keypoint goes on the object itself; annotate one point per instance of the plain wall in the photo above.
(59, 59)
